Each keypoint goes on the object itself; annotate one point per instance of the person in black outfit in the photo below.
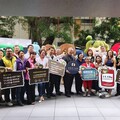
(78, 80)
(20, 66)
(118, 67)
(54, 80)
(68, 77)
(1, 91)
(30, 89)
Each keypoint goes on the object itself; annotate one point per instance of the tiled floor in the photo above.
(62, 108)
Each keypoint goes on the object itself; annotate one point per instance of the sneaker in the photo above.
(9, 104)
(88, 95)
(101, 95)
(42, 98)
(85, 94)
(97, 93)
(108, 96)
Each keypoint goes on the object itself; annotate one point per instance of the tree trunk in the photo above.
(49, 40)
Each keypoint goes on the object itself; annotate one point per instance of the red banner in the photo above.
(107, 77)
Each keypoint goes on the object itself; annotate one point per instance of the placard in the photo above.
(2, 69)
(56, 68)
(38, 76)
(89, 74)
(107, 77)
(11, 79)
(72, 67)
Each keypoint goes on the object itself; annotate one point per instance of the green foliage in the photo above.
(40, 27)
(108, 29)
(7, 25)
(66, 37)
(82, 38)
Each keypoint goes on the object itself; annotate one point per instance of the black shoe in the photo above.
(24, 102)
(2, 101)
(67, 95)
(59, 93)
(48, 96)
(72, 93)
(20, 103)
(53, 95)
(79, 93)
(116, 94)
(14, 102)
(29, 103)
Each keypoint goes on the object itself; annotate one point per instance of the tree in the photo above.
(108, 29)
(81, 42)
(49, 28)
(7, 25)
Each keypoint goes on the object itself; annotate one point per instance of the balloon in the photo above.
(115, 47)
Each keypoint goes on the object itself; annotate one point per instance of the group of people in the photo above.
(17, 60)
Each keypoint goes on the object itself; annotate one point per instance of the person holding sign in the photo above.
(30, 49)
(97, 63)
(110, 62)
(87, 84)
(90, 55)
(1, 56)
(78, 80)
(8, 61)
(20, 66)
(42, 60)
(118, 67)
(54, 80)
(16, 50)
(30, 89)
(68, 77)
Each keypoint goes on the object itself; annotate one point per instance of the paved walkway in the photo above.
(62, 108)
